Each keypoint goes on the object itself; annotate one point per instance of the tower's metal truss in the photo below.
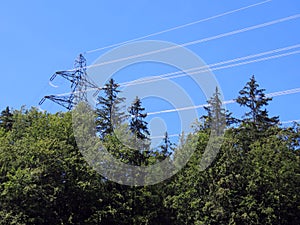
(80, 83)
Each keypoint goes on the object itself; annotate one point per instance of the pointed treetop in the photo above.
(254, 98)
(109, 109)
(138, 125)
(217, 117)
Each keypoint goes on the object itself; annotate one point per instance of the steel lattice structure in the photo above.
(80, 83)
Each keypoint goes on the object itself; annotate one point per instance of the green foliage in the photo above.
(6, 119)
(255, 178)
(216, 118)
(255, 100)
(109, 114)
(166, 148)
(256, 123)
(138, 125)
(44, 179)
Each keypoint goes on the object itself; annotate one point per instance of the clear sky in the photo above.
(38, 38)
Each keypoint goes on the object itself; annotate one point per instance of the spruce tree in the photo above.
(217, 118)
(139, 130)
(6, 119)
(256, 123)
(255, 99)
(138, 125)
(166, 148)
(109, 112)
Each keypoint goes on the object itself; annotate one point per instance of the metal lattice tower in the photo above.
(79, 85)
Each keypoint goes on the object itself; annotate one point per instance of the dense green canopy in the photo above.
(255, 178)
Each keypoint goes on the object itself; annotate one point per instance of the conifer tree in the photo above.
(256, 123)
(255, 99)
(6, 119)
(217, 118)
(166, 148)
(138, 125)
(109, 111)
(139, 130)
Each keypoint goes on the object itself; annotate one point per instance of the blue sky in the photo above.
(38, 38)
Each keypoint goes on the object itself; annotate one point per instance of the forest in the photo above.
(255, 178)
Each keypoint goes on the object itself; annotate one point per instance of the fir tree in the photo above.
(256, 123)
(217, 118)
(166, 148)
(138, 125)
(139, 130)
(255, 99)
(109, 111)
(6, 119)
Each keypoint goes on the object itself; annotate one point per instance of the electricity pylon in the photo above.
(80, 83)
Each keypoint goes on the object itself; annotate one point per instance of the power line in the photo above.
(177, 135)
(179, 27)
(286, 92)
(273, 22)
(290, 121)
(249, 62)
(187, 108)
(231, 65)
(228, 66)
(208, 67)
(273, 94)
(162, 136)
